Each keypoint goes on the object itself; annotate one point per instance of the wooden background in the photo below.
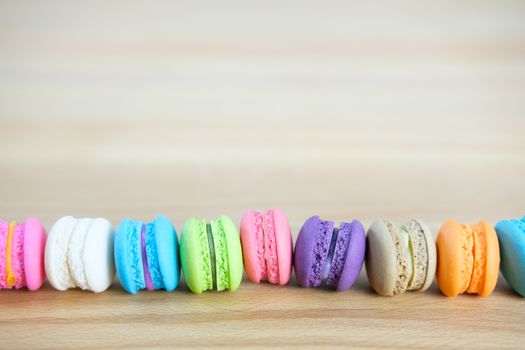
(342, 109)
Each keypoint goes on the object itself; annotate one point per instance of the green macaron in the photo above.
(211, 255)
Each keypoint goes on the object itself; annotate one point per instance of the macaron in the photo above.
(468, 258)
(266, 246)
(79, 254)
(326, 255)
(22, 247)
(511, 236)
(147, 255)
(400, 259)
(211, 255)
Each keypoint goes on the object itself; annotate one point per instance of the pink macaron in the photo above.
(22, 247)
(267, 246)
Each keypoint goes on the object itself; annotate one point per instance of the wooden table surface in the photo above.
(346, 110)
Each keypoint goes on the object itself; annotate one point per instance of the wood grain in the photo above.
(341, 109)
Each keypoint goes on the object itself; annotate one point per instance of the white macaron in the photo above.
(79, 253)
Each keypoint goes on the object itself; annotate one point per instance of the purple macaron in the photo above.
(327, 255)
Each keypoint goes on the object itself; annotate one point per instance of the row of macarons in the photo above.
(84, 253)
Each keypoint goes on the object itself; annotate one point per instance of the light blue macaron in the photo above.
(511, 236)
(147, 255)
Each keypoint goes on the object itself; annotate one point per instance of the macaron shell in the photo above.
(381, 258)
(431, 254)
(512, 249)
(74, 256)
(454, 264)
(233, 245)
(17, 253)
(303, 253)
(194, 260)
(99, 266)
(283, 236)
(355, 256)
(34, 245)
(150, 259)
(4, 228)
(270, 254)
(320, 262)
(479, 251)
(220, 255)
(402, 258)
(492, 259)
(55, 256)
(168, 252)
(250, 247)
(124, 272)
(128, 256)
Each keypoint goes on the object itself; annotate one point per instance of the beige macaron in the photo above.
(400, 259)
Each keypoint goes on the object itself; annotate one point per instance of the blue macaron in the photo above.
(147, 255)
(511, 236)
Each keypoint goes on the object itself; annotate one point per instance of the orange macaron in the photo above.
(468, 258)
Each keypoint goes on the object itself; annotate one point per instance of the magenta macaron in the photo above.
(326, 255)
(267, 246)
(22, 247)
